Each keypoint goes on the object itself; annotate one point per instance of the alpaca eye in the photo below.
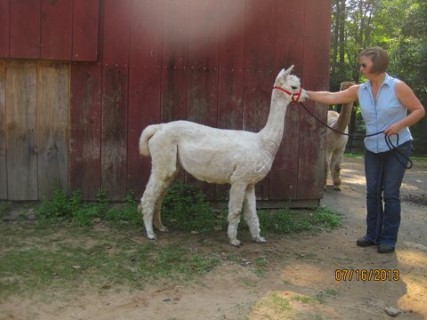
(294, 87)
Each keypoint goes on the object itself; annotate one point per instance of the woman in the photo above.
(384, 102)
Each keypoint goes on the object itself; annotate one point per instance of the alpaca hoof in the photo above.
(163, 229)
(151, 236)
(337, 188)
(260, 239)
(235, 243)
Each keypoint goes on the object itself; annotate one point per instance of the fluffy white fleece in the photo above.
(237, 157)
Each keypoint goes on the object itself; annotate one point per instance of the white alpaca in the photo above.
(336, 142)
(237, 157)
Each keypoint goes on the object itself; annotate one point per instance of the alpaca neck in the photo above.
(344, 117)
(272, 133)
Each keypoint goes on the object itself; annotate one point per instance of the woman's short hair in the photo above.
(379, 58)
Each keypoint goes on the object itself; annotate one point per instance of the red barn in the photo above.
(80, 79)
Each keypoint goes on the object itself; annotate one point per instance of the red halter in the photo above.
(293, 95)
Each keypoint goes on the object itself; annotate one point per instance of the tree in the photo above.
(400, 27)
(410, 62)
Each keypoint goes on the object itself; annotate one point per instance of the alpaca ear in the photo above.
(281, 74)
(289, 70)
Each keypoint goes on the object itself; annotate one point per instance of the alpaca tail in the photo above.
(146, 135)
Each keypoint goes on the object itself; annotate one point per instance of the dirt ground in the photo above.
(308, 271)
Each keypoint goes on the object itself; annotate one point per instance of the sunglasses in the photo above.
(363, 65)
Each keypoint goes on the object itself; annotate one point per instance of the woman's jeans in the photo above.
(384, 174)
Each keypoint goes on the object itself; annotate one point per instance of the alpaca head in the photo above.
(290, 83)
(346, 84)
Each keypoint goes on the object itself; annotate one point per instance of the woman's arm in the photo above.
(409, 100)
(326, 97)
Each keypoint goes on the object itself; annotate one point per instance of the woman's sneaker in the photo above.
(385, 248)
(363, 242)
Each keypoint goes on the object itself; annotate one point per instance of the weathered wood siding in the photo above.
(34, 108)
(131, 63)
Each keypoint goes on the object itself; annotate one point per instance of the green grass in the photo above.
(294, 221)
(292, 306)
(275, 303)
(74, 244)
(4, 208)
(34, 258)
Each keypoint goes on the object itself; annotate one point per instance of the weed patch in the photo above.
(186, 209)
(64, 208)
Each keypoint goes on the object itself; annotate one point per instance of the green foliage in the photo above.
(83, 213)
(60, 206)
(185, 208)
(287, 221)
(4, 207)
(400, 27)
(125, 213)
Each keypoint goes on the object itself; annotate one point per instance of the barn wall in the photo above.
(45, 29)
(210, 61)
(34, 121)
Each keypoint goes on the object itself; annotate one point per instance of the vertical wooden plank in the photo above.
(53, 102)
(85, 129)
(86, 101)
(21, 93)
(144, 85)
(289, 51)
(86, 17)
(203, 46)
(25, 29)
(316, 75)
(3, 163)
(174, 60)
(258, 82)
(231, 66)
(115, 97)
(56, 29)
(259, 57)
(4, 28)
(203, 62)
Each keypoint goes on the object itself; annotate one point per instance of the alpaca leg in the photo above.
(237, 195)
(336, 169)
(150, 198)
(157, 218)
(328, 157)
(250, 215)
(164, 169)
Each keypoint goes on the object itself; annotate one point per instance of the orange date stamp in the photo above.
(367, 275)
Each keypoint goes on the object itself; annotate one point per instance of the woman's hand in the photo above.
(392, 130)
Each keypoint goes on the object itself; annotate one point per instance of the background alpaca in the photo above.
(336, 142)
(237, 157)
